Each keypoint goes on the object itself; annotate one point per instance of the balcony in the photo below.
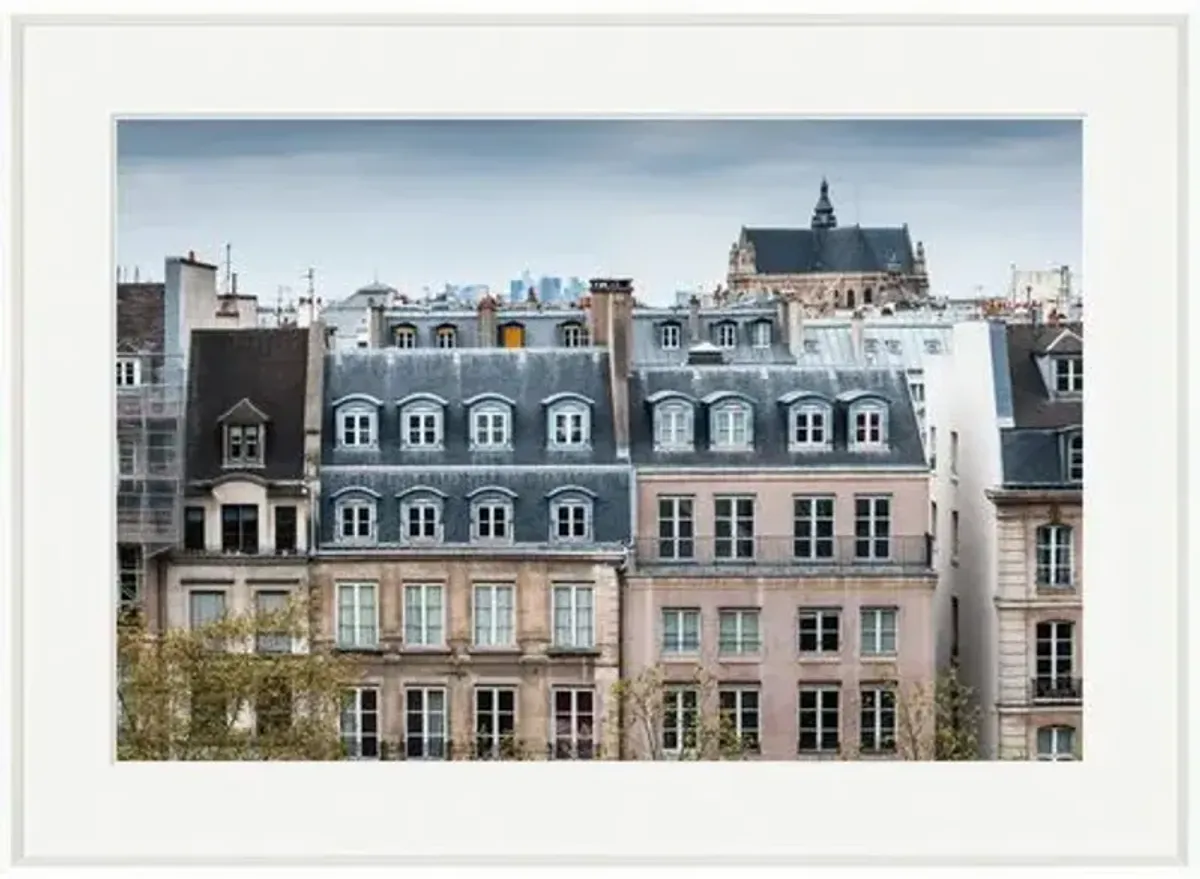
(1056, 691)
(846, 556)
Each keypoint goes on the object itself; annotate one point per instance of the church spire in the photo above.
(823, 216)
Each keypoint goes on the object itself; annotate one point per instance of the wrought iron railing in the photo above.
(1055, 689)
(907, 553)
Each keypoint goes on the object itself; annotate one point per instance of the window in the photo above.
(422, 520)
(932, 448)
(359, 723)
(243, 446)
(892, 345)
(740, 714)
(205, 607)
(572, 521)
(669, 337)
(673, 426)
(574, 724)
(193, 528)
(495, 721)
(933, 346)
(953, 628)
(1056, 743)
(129, 573)
(819, 719)
(917, 390)
(356, 428)
(734, 527)
(493, 520)
(1055, 645)
(574, 335)
(574, 617)
(809, 428)
(285, 529)
(126, 456)
(569, 426)
(871, 346)
(681, 711)
(954, 536)
(424, 620)
(425, 723)
(680, 630)
(406, 336)
(494, 616)
(878, 631)
(762, 334)
(820, 630)
(1055, 565)
(877, 720)
(357, 616)
(812, 528)
(732, 427)
(490, 428)
(933, 528)
(1068, 375)
(273, 707)
(872, 528)
(129, 372)
(868, 426)
(726, 335)
(739, 632)
(1075, 457)
(512, 336)
(239, 528)
(676, 528)
(356, 521)
(812, 346)
(422, 427)
(447, 337)
(271, 635)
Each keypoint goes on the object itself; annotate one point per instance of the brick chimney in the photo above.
(375, 327)
(610, 317)
(487, 321)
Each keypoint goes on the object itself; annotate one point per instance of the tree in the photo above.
(665, 718)
(937, 720)
(232, 689)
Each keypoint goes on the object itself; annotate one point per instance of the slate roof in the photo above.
(140, 319)
(1032, 404)
(268, 367)
(842, 249)
(1034, 457)
(764, 386)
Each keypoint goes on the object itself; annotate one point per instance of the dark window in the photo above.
(285, 529)
(818, 719)
(495, 713)
(273, 708)
(193, 528)
(239, 528)
(820, 631)
(129, 572)
(872, 528)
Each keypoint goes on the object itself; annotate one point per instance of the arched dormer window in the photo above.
(761, 333)
(1074, 452)
(512, 335)
(492, 514)
(571, 514)
(867, 421)
(422, 512)
(490, 422)
(355, 515)
(725, 334)
(670, 335)
(421, 421)
(573, 334)
(809, 420)
(730, 422)
(674, 420)
(356, 420)
(568, 421)
(446, 336)
(405, 335)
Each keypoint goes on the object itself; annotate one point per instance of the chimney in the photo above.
(487, 322)
(233, 285)
(693, 319)
(375, 324)
(191, 256)
(611, 321)
(791, 312)
(856, 336)
(318, 338)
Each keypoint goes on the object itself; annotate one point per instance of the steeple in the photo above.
(823, 217)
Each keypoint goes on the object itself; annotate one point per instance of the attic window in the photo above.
(762, 334)
(447, 337)
(569, 425)
(809, 427)
(726, 334)
(933, 346)
(574, 335)
(490, 427)
(669, 336)
(732, 426)
(356, 427)
(871, 346)
(406, 336)
(243, 445)
(1075, 457)
(811, 346)
(1068, 375)
(893, 346)
(129, 372)
(868, 426)
(672, 426)
(422, 426)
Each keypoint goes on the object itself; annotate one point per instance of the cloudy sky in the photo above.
(421, 203)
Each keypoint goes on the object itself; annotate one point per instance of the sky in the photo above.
(419, 203)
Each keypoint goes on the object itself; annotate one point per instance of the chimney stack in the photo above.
(611, 323)
(791, 312)
(693, 319)
(856, 336)
(233, 284)
(375, 326)
(487, 322)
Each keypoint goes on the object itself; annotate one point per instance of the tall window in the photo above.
(1055, 645)
(243, 446)
(356, 428)
(809, 427)
(574, 617)
(360, 723)
(447, 337)
(812, 528)
(1056, 743)
(424, 621)
(574, 724)
(680, 630)
(494, 615)
(878, 631)
(673, 426)
(819, 719)
(1075, 457)
(422, 427)
(1068, 375)
(129, 372)
(872, 528)
(1055, 562)
(273, 707)
(734, 527)
(285, 529)
(740, 714)
(681, 711)
(867, 424)
(762, 334)
(493, 520)
(495, 721)
(954, 453)
(193, 528)
(739, 632)
(574, 335)
(356, 521)
(205, 607)
(126, 457)
(954, 536)
(490, 428)
(569, 426)
(406, 337)
(129, 573)
(271, 636)
(572, 520)
(726, 335)
(820, 630)
(239, 528)
(877, 719)
(669, 337)
(358, 616)
(425, 723)
(732, 427)
(676, 528)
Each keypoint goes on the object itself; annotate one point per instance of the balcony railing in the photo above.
(435, 747)
(1056, 690)
(805, 556)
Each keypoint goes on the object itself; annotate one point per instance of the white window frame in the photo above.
(735, 546)
(872, 638)
(877, 731)
(685, 619)
(814, 418)
(352, 741)
(1075, 457)
(359, 506)
(447, 337)
(575, 716)
(761, 334)
(237, 435)
(581, 616)
(739, 726)
(868, 421)
(670, 336)
(574, 335)
(429, 741)
(265, 640)
(491, 502)
(1055, 734)
(427, 414)
(127, 456)
(743, 644)
(674, 426)
(362, 422)
(491, 416)
(583, 513)
(572, 412)
(1058, 652)
(193, 594)
(429, 627)
(416, 505)
(1068, 375)
(812, 511)
(679, 705)
(365, 631)
(404, 336)
(724, 421)
(676, 542)
(825, 620)
(129, 372)
(818, 727)
(879, 526)
(1055, 543)
(494, 737)
(495, 631)
(726, 335)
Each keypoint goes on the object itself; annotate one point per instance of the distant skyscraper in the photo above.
(549, 289)
(574, 289)
(516, 290)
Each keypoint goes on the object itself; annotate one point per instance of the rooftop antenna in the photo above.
(854, 190)
(228, 269)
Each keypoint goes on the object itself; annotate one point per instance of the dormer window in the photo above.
(568, 421)
(1075, 457)
(421, 515)
(732, 426)
(933, 346)
(669, 336)
(1068, 375)
(406, 336)
(421, 422)
(673, 426)
(574, 335)
(355, 515)
(447, 336)
(357, 421)
(809, 427)
(243, 445)
(571, 515)
(761, 336)
(129, 372)
(491, 426)
(725, 334)
(512, 335)
(492, 515)
(868, 425)
(811, 346)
